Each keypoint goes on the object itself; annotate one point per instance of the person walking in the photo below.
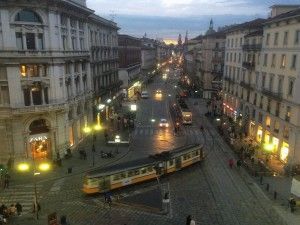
(6, 180)
(193, 222)
(239, 164)
(188, 220)
(231, 162)
(19, 208)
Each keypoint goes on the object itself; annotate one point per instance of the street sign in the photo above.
(52, 219)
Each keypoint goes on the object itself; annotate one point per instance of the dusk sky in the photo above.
(167, 18)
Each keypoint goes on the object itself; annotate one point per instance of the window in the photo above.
(234, 58)
(4, 95)
(83, 67)
(268, 105)
(288, 114)
(263, 80)
(64, 42)
(76, 69)
(297, 36)
(267, 39)
(33, 70)
(19, 40)
(280, 84)
(67, 68)
(261, 101)
(283, 61)
(276, 39)
(255, 98)
(40, 41)
(28, 16)
(258, 58)
(265, 59)
(273, 60)
(276, 126)
(294, 61)
(286, 132)
(241, 41)
(256, 78)
(30, 41)
(74, 43)
(260, 117)
(81, 44)
(26, 93)
(239, 57)
(268, 121)
(63, 20)
(271, 82)
(285, 38)
(73, 23)
(291, 87)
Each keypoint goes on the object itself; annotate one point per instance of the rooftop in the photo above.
(283, 16)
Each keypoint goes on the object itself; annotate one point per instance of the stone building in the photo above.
(261, 81)
(46, 82)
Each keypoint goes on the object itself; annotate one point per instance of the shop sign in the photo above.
(38, 138)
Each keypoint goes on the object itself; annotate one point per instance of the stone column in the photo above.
(31, 97)
(24, 40)
(36, 40)
(43, 96)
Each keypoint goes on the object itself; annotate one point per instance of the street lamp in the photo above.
(117, 141)
(44, 167)
(133, 108)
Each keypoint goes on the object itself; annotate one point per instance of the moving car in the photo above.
(163, 123)
(144, 94)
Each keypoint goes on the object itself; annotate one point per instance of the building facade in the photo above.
(261, 81)
(47, 92)
(130, 64)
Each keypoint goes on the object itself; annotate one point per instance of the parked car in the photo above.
(144, 94)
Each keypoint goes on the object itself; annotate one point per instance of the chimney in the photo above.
(280, 9)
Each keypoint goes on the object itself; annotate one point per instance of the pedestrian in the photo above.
(6, 180)
(231, 162)
(12, 210)
(63, 220)
(193, 222)
(188, 220)
(201, 128)
(239, 163)
(19, 208)
(292, 204)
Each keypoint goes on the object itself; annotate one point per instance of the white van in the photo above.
(144, 94)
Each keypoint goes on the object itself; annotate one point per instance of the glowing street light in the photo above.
(23, 167)
(101, 106)
(133, 107)
(117, 139)
(152, 120)
(108, 100)
(87, 129)
(44, 166)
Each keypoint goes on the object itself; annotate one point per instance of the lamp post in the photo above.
(37, 169)
(117, 141)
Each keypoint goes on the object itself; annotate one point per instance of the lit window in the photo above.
(23, 71)
(28, 16)
(268, 121)
(283, 61)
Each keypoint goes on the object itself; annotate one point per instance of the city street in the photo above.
(210, 191)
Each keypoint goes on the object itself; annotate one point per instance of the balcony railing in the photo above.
(52, 106)
(253, 47)
(249, 65)
(217, 72)
(246, 85)
(43, 53)
(277, 96)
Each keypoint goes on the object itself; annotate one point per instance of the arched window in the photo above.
(28, 16)
(38, 126)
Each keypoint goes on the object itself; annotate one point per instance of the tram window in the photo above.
(185, 157)
(197, 152)
(137, 172)
(150, 169)
(131, 173)
(123, 175)
(143, 170)
(116, 177)
(171, 162)
(188, 156)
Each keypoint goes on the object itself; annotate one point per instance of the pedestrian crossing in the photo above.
(148, 131)
(24, 194)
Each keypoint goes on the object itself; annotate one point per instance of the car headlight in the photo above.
(160, 124)
(167, 125)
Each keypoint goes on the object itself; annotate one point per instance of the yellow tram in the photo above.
(144, 169)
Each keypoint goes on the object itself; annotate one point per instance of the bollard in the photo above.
(268, 187)
(275, 195)
(261, 180)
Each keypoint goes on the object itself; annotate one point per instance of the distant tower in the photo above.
(211, 28)
(211, 24)
(186, 38)
(145, 35)
(179, 40)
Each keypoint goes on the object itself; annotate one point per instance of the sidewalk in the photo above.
(275, 186)
(77, 165)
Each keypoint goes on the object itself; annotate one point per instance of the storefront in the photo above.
(284, 152)
(134, 90)
(39, 140)
(259, 134)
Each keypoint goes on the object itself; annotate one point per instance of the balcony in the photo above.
(249, 65)
(246, 85)
(52, 106)
(273, 95)
(253, 47)
(43, 53)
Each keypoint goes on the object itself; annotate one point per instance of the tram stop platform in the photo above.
(151, 200)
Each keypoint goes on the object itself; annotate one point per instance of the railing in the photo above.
(52, 106)
(277, 96)
(42, 53)
(253, 47)
(249, 65)
(217, 72)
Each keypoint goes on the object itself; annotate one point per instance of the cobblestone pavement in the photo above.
(210, 191)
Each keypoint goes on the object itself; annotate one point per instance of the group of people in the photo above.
(231, 163)
(7, 212)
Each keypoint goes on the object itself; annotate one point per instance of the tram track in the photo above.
(246, 198)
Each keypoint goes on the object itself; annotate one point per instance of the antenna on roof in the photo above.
(112, 15)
